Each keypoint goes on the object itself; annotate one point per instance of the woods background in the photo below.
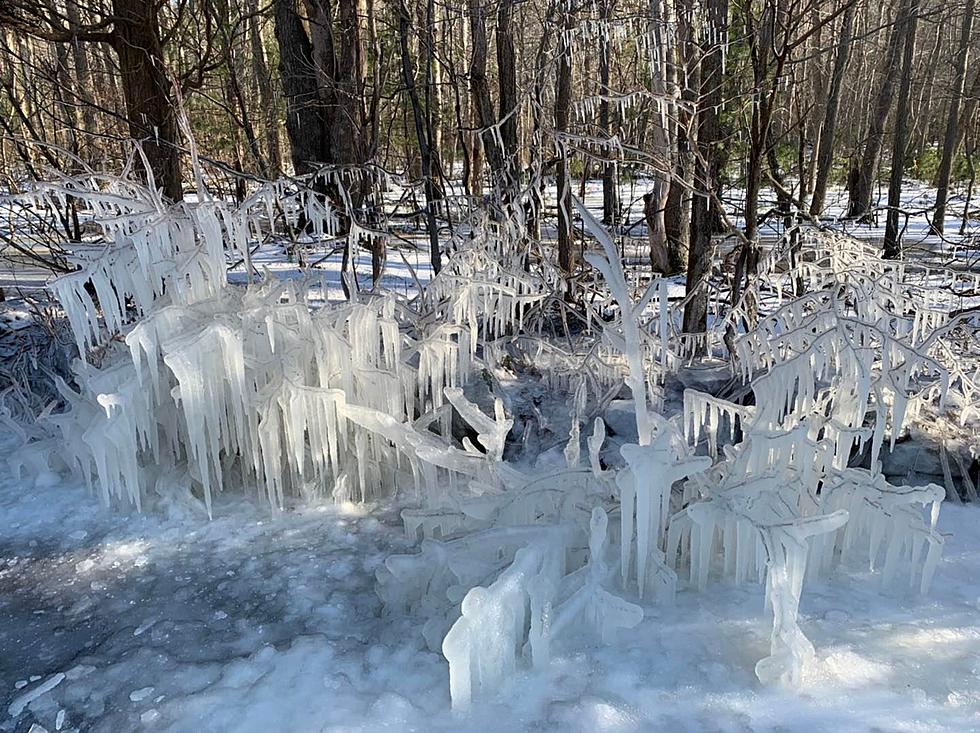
(698, 107)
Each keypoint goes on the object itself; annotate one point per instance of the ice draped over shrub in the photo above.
(188, 386)
(344, 400)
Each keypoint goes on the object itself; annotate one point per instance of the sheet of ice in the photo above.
(304, 639)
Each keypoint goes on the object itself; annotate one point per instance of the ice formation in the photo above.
(188, 386)
(645, 491)
(761, 532)
(781, 498)
(483, 646)
(339, 400)
(896, 521)
(530, 602)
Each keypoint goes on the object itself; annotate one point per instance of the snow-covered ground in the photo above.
(168, 622)
(19, 275)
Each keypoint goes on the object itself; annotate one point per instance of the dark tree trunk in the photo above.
(235, 95)
(893, 244)
(305, 124)
(953, 119)
(263, 79)
(534, 206)
(707, 168)
(863, 180)
(82, 70)
(677, 216)
(563, 103)
(610, 204)
(422, 135)
(348, 136)
(482, 103)
(150, 106)
(970, 182)
(825, 153)
(508, 103)
(655, 201)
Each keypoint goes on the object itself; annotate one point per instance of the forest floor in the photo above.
(166, 621)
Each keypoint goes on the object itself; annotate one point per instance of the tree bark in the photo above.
(863, 179)
(347, 118)
(150, 107)
(263, 78)
(707, 167)
(610, 203)
(825, 154)
(473, 167)
(677, 216)
(893, 244)
(953, 118)
(305, 124)
(482, 103)
(82, 69)
(508, 103)
(563, 102)
(655, 201)
(422, 135)
(435, 93)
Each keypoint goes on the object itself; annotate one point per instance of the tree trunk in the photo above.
(305, 125)
(150, 107)
(655, 201)
(473, 158)
(435, 93)
(535, 204)
(863, 179)
(508, 102)
(970, 182)
(235, 94)
(892, 244)
(347, 118)
(263, 78)
(421, 134)
(610, 204)
(707, 167)
(825, 155)
(82, 69)
(563, 103)
(677, 216)
(480, 87)
(953, 118)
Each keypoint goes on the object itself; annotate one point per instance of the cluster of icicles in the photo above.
(189, 385)
(200, 386)
(819, 365)
(505, 575)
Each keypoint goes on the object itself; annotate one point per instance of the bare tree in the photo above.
(563, 103)
(423, 134)
(132, 29)
(825, 155)
(953, 118)
(862, 179)
(892, 243)
(707, 170)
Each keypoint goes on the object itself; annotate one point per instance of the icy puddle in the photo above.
(114, 622)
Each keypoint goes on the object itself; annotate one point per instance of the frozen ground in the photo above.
(168, 622)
